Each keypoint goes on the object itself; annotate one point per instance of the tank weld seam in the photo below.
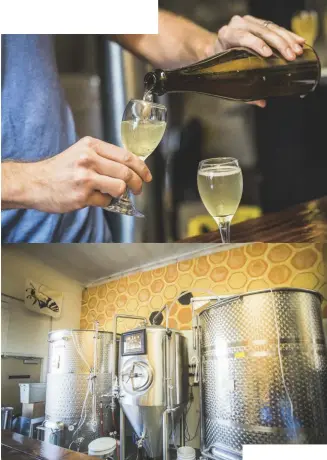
(261, 354)
(259, 428)
(247, 343)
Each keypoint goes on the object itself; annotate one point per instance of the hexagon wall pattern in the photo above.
(249, 268)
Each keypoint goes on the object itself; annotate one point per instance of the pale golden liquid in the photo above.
(306, 24)
(221, 189)
(142, 137)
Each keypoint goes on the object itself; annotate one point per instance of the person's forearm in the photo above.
(89, 173)
(15, 185)
(179, 42)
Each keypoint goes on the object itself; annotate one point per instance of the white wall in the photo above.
(24, 332)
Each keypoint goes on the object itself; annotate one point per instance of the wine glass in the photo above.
(306, 24)
(142, 128)
(220, 185)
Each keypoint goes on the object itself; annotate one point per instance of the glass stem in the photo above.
(224, 228)
(125, 195)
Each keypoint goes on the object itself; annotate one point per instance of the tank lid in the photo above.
(153, 327)
(102, 446)
(163, 328)
(226, 299)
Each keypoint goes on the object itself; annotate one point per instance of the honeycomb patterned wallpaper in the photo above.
(249, 268)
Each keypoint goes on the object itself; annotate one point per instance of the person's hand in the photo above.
(259, 35)
(89, 173)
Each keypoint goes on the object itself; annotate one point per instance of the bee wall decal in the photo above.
(42, 299)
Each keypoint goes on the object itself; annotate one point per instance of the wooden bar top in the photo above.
(14, 446)
(304, 223)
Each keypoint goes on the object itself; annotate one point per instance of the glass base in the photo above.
(124, 206)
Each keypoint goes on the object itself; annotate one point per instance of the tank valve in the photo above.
(115, 394)
(172, 409)
(94, 424)
(115, 390)
(140, 441)
(112, 405)
(78, 443)
(168, 332)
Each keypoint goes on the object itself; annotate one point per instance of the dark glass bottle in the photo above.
(242, 75)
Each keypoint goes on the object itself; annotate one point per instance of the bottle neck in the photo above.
(155, 82)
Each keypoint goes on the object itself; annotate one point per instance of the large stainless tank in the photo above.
(71, 359)
(263, 372)
(147, 359)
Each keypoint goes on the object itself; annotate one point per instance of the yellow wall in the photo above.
(252, 267)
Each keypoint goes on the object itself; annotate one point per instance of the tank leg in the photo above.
(122, 435)
(165, 436)
(182, 430)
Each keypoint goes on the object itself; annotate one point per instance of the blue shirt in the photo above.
(37, 124)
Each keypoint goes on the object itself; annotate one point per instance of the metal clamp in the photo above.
(140, 441)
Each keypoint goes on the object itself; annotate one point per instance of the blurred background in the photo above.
(282, 150)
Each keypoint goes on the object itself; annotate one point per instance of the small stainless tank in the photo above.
(71, 358)
(148, 357)
(263, 372)
(51, 432)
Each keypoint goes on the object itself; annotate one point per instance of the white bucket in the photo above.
(102, 447)
(185, 453)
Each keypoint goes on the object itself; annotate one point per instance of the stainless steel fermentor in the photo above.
(150, 358)
(263, 372)
(79, 385)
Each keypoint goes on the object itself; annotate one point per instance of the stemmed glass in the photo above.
(306, 24)
(142, 128)
(220, 185)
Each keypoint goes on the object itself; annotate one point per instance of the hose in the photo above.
(79, 351)
(169, 377)
(88, 390)
(94, 377)
(82, 417)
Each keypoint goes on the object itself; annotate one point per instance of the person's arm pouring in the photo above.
(181, 42)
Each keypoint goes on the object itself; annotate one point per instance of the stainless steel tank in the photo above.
(263, 372)
(149, 359)
(69, 380)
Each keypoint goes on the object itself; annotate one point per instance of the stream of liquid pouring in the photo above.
(148, 95)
